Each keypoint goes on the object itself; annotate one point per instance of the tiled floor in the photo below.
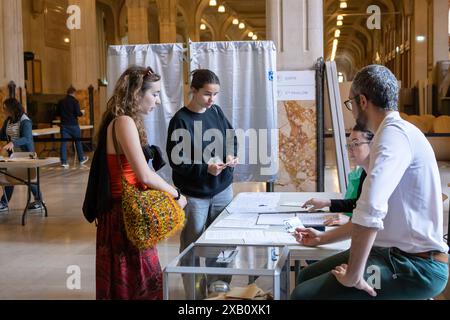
(35, 259)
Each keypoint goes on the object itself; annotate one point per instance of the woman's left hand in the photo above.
(9, 146)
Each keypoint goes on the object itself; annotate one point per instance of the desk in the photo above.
(24, 163)
(297, 251)
(55, 130)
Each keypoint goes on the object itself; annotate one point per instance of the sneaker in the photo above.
(85, 159)
(65, 165)
(36, 205)
(3, 207)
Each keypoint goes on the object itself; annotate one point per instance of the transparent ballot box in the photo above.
(228, 272)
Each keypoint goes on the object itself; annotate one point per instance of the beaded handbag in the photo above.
(149, 215)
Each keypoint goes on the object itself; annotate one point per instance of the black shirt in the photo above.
(69, 111)
(347, 205)
(192, 178)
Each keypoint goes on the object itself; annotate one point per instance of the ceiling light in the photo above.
(212, 3)
(343, 5)
(333, 51)
(340, 17)
(203, 26)
(66, 40)
(235, 21)
(250, 34)
(339, 23)
(255, 37)
(420, 38)
(241, 25)
(221, 8)
(337, 33)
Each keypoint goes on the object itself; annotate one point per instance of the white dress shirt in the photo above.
(401, 196)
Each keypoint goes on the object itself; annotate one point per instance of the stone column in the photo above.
(85, 57)
(137, 21)
(440, 27)
(11, 45)
(167, 11)
(191, 19)
(84, 47)
(296, 27)
(298, 47)
(419, 49)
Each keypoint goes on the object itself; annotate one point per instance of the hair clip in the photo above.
(149, 71)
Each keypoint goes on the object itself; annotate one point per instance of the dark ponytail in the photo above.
(200, 77)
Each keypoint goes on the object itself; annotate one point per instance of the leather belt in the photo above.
(435, 255)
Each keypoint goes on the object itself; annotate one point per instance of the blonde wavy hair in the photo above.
(131, 86)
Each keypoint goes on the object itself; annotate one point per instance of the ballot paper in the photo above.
(251, 236)
(246, 224)
(291, 204)
(254, 202)
(274, 219)
(292, 224)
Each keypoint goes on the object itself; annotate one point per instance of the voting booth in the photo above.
(246, 272)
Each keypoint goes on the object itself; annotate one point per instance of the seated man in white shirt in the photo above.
(397, 250)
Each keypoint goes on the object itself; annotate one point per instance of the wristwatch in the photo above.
(178, 194)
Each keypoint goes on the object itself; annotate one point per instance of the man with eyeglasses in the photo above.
(396, 229)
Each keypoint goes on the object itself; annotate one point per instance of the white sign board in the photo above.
(296, 85)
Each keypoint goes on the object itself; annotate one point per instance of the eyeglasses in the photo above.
(356, 144)
(348, 103)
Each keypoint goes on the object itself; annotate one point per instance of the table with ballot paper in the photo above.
(246, 253)
(269, 218)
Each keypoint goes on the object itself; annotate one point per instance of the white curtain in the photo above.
(247, 97)
(166, 60)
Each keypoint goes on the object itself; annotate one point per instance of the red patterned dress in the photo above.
(123, 271)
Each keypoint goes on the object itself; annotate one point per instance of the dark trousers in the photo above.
(71, 132)
(10, 189)
(399, 277)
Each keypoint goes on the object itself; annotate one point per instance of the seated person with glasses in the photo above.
(358, 149)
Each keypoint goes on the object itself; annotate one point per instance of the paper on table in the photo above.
(252, 236)
(242, 216)
(280, 238)
(254, 202)
(232, 223)
(291, 204)
(234, 234)
(276, 219)
(229, 223)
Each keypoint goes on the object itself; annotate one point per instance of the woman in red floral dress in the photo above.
(122, 270)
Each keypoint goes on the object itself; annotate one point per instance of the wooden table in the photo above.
(52, 131)
(55, 130)
(29, 164)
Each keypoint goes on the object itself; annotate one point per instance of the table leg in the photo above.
(38, 180)
(29, 196)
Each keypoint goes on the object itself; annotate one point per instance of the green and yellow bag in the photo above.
(149, 215)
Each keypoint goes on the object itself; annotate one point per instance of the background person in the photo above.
(68, 109)
(17, 130)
